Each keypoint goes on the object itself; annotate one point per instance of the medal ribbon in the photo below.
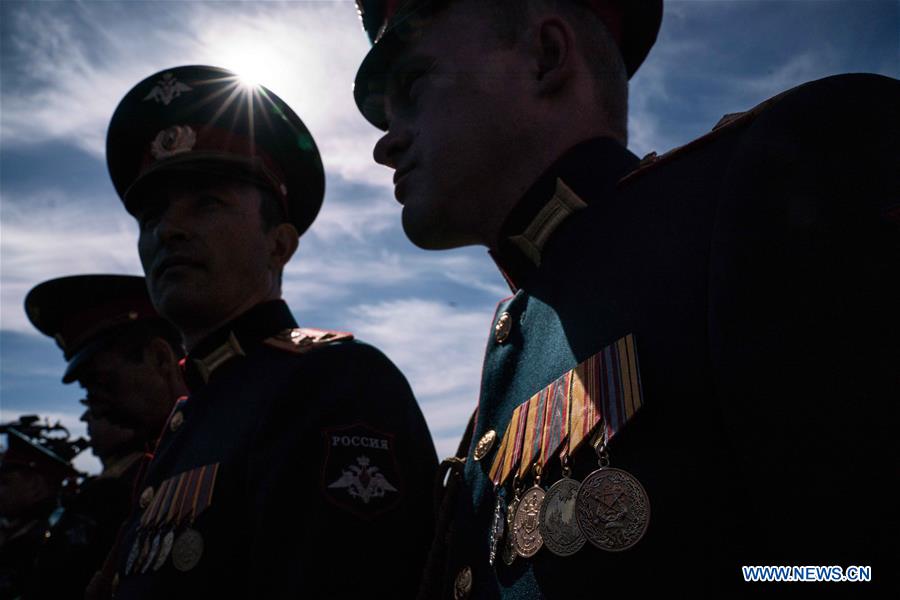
(534, 427)
(152, 510)
(606, 386)
(516, 431)
(505, 443)
(207, 484)
(556, 421)
(166, 492)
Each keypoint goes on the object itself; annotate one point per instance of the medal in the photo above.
(558, 523)
(187, 550)
(613, 509)
(164, 550)
(612, 506)
(145, 548)
(188, 547)
(498, 526)
(151, 556)
(132, 555)
(508, 552)
(526, 532)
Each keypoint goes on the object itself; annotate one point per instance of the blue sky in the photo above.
(65, 65)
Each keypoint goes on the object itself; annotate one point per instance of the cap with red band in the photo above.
(206, 119)
(84, 312)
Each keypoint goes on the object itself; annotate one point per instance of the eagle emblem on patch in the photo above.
(360, 473)
(167, 89)
(363, 481)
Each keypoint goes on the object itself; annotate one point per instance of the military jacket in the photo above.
(756, 271)
(83, 532)
(299, 466)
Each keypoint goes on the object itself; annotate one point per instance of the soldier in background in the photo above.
(697, 368)
(300, 464)
(125, 357)
(34, 466)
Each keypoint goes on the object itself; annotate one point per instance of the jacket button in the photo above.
(146, 497)
(176, 421)
(485, 444)
(502, 328)
(462, 587)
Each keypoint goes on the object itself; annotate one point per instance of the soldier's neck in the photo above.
(194, 336)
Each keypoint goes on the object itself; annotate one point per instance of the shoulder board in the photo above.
(726, 123)
(302, 339)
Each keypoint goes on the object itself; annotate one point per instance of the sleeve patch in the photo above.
(360, 473)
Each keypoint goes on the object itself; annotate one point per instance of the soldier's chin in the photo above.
(178, 304)
(428, 231)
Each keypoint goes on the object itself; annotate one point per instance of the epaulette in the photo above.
(303, 339)
(726, 123)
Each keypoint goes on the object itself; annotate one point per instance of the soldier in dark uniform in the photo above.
(300, 463)
(125, 356)
(698, 367)
(34, 467)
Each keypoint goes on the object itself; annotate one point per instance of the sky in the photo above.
(64, 65)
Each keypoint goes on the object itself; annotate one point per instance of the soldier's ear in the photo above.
(161, 356)
(553, 46)
(284, 243)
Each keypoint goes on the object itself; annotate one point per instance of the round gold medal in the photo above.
(526, 531)
(612, 509)
(187, 550)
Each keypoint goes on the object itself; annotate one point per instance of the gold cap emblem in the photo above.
(173, 140)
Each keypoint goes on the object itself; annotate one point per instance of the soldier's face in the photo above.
(125, 398)
(457, 108)
(203, 249)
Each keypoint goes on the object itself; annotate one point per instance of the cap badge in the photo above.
(167, 89)
(173, 140)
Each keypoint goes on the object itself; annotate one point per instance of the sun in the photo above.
(255, 63)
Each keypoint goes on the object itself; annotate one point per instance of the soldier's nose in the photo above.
(391, 146)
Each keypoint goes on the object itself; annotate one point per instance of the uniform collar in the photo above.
(238, 338)
(585, 174)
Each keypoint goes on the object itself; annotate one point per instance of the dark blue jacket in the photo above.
(758, 270)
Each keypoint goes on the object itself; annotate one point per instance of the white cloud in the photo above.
(49, 234)
(440, 349)
(82, 59)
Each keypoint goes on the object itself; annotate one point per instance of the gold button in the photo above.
(176, 421)
(463, 585)
(146, 497)
(485, 444)
(502, 328)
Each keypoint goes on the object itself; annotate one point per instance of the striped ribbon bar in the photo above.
(607, 386)
(556, 419)
(207, 485)
(504, 449)
(560, 417)
(513, 442)
(534, 428)
(155, 507)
